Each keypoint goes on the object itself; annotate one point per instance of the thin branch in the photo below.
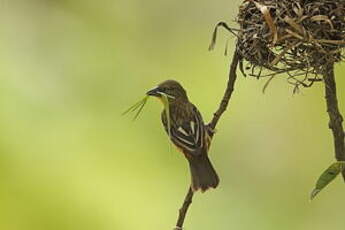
(183, 210)
(228, 92)
(212, 125)
(335, 117)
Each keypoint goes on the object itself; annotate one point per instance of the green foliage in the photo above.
(327, 177)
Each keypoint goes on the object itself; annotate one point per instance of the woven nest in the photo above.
(297, 37)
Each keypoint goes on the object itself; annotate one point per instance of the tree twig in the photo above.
(335, 117)
(183, 210)
(228, 92)
(212, 125)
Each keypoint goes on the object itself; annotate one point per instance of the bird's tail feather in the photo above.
(203, 174)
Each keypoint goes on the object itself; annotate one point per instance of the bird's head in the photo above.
(172, 89)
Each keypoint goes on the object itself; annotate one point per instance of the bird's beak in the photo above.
(154, 92)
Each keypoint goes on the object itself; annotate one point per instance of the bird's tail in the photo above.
(203, 174)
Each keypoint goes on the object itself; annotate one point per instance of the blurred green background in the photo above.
(69, 160)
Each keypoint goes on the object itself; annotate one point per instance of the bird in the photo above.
(188, 133)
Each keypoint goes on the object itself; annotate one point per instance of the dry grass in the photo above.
(295, 37)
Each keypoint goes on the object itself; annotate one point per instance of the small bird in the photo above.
(188, 133)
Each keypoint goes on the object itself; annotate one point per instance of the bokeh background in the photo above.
(69, 160)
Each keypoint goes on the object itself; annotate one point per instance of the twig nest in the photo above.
(297, 37)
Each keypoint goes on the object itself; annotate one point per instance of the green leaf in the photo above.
(327, 177)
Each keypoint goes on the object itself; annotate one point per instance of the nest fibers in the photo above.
(297, 37)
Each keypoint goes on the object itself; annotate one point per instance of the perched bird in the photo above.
(188, 133)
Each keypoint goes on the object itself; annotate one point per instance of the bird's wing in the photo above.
(189, 136)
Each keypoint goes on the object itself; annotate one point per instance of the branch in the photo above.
(228, 92)
(335, 117)
(183, 210)
(212, 125)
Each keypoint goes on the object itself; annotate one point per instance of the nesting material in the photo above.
(297, 37)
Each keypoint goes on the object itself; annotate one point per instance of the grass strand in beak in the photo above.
(167, 113)
(140, 108)
(139, 105)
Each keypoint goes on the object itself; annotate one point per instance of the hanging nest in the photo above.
(295, 37)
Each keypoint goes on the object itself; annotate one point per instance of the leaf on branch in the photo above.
(327, 177)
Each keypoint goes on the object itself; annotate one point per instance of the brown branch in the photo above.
(183, 210)
(228, 92)
(335, 117)
(212, 125)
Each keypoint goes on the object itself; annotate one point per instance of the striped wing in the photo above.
(190, 135)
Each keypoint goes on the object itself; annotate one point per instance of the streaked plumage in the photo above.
(189, 133)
